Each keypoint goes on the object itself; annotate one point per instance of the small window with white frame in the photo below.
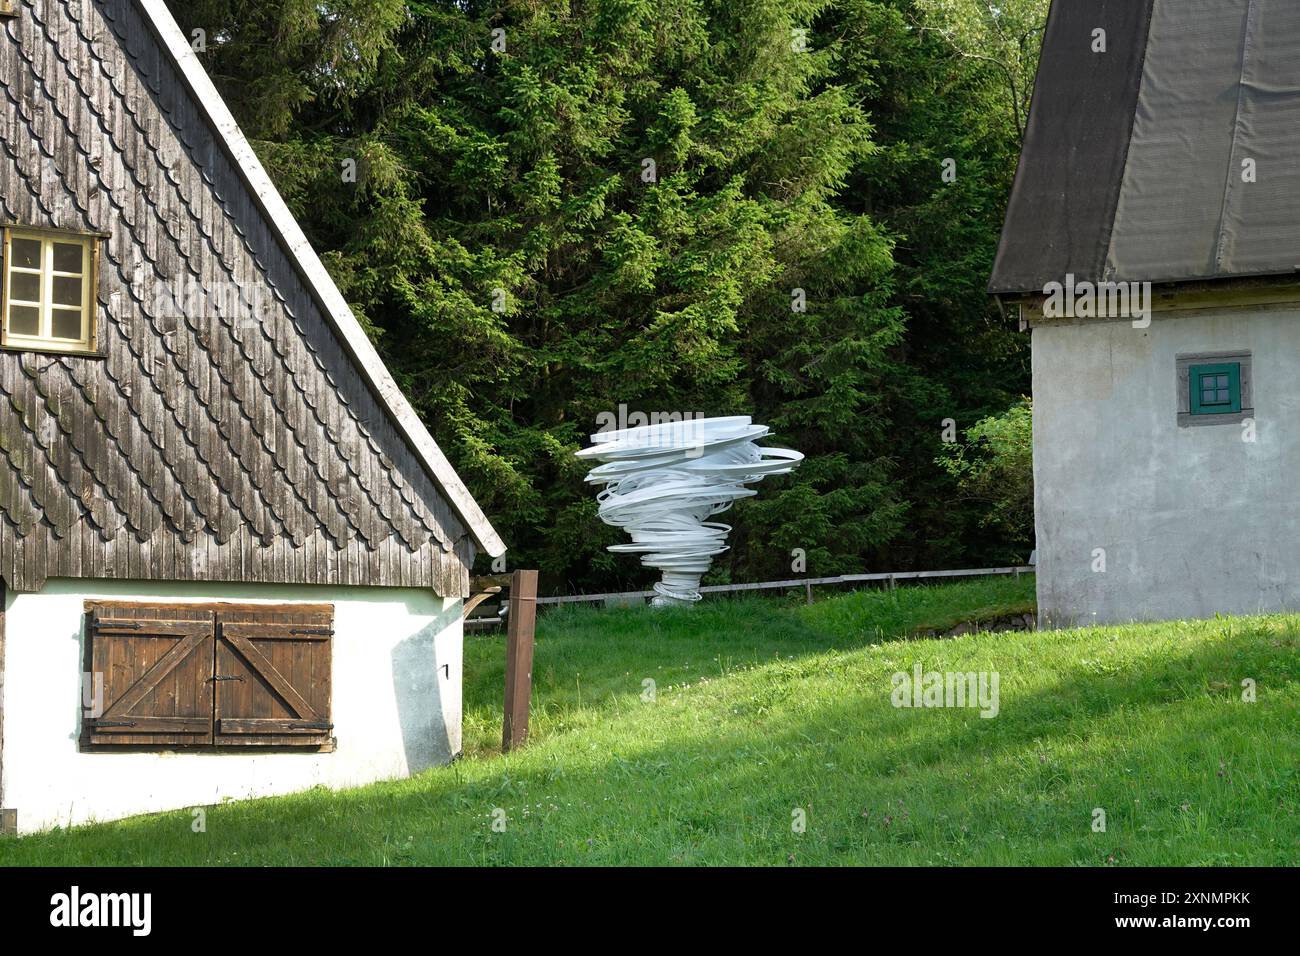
(49, 290)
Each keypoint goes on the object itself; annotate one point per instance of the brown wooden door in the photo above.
(154, 663)
(272, 676)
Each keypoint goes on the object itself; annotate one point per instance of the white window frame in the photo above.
(44, 340)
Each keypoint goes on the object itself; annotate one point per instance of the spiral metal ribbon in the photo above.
(663, 482)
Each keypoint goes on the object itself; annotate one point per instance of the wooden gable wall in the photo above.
(221, 446)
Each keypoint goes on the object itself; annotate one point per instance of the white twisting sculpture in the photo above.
(662, 482)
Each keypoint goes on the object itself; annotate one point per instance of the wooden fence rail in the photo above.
(891, 577)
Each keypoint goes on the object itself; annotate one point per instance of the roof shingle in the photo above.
(227, 432)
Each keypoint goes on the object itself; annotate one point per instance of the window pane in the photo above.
(1223, 396)
(1207, 398)
(24, 320)
(67, 324)
(26, 286)
(67, 258)
(67, 291)
(27, 253)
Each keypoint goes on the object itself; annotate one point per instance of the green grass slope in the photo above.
(766, 710)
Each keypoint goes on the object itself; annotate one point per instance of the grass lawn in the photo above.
(765, 706)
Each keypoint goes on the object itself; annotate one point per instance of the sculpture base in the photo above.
(677, 590)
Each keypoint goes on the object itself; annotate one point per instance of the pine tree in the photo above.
(688, 206)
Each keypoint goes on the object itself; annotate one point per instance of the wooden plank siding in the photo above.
(206, 444)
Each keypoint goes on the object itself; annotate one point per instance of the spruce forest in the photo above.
(550, 210)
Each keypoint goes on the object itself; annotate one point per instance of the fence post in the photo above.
(521, 626)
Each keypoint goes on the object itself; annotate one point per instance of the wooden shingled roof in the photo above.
(262, 441)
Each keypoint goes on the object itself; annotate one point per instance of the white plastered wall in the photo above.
(396, 703)
(1190, 521)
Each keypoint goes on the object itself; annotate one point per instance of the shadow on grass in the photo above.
(589, 659)
(1185, 771)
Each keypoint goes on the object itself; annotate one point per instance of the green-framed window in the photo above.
(1215, 389)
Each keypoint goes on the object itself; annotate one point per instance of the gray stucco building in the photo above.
(1152, 244)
